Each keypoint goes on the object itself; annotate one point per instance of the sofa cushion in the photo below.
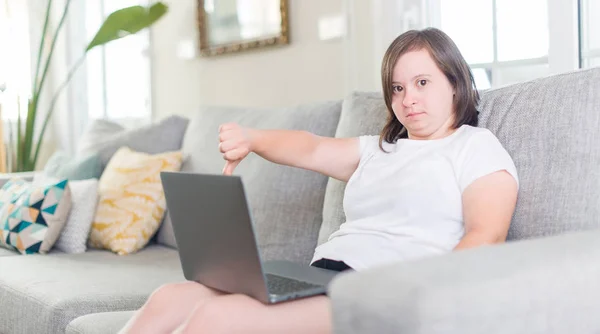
(132, 201)
(286, 202)
(164, 136)
(165, 235)
(63, 165)
(32, 216)
(84, 199)
(97, 134)
(543, 286)
(8, 252)
(73, 285)
(27, 176)
(550, 128)
(362, 114)
(100, 323)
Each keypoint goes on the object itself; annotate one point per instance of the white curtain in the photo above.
(14, 69)
(70, 112)
(369, 36)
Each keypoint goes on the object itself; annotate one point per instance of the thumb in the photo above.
(230, 166)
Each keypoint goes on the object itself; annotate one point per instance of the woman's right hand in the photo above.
(235, 143)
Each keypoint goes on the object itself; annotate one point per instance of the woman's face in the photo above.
(422, 97)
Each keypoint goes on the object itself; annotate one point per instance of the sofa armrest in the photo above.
(549, 285)
(4, 177)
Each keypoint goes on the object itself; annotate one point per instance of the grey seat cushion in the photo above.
(286, 202)
(362, 114)
(7, 252)
(542, 286)
(44, 293)
(550, 128)
(99, 323)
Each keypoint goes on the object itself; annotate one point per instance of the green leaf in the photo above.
(41, 47)
(28, 136)
(127, 21)
(19, 155)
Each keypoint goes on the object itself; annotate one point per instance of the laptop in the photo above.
(217, 246)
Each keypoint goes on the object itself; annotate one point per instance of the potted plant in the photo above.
(119, 24)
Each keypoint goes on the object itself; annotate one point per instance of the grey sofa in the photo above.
(546, 279)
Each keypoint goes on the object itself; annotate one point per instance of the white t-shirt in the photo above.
(407, 204)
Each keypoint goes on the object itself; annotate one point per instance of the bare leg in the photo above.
(168, 307)
(232, 314)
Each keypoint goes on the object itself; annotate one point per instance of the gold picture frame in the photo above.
(209, 47)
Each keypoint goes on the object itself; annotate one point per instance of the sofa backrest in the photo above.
(362, 114)
(550, 127)
(286, 203)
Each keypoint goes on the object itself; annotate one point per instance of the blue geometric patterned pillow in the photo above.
(32, 216)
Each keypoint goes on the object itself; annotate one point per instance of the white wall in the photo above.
(306, 70)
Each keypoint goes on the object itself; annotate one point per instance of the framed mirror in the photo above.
(228, 26)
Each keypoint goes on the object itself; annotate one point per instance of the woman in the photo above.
(432, 182)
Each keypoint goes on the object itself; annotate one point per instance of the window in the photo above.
(508, 41)
(590, 33)
(504, 41)
(114, 83)
(15, 72)
(118, 74)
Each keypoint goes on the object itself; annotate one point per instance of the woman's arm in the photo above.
(334, 157)
(488, 206)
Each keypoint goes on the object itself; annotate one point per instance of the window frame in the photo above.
(584, 16)
(563, 38)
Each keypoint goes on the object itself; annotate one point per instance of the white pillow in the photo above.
(84, 197)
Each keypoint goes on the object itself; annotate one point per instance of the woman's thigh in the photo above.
(168, 307)
(232, 314)
(180, 296)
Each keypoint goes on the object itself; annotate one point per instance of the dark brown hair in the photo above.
(448, 59)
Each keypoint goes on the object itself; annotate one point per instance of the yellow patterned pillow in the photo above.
(131, 200)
